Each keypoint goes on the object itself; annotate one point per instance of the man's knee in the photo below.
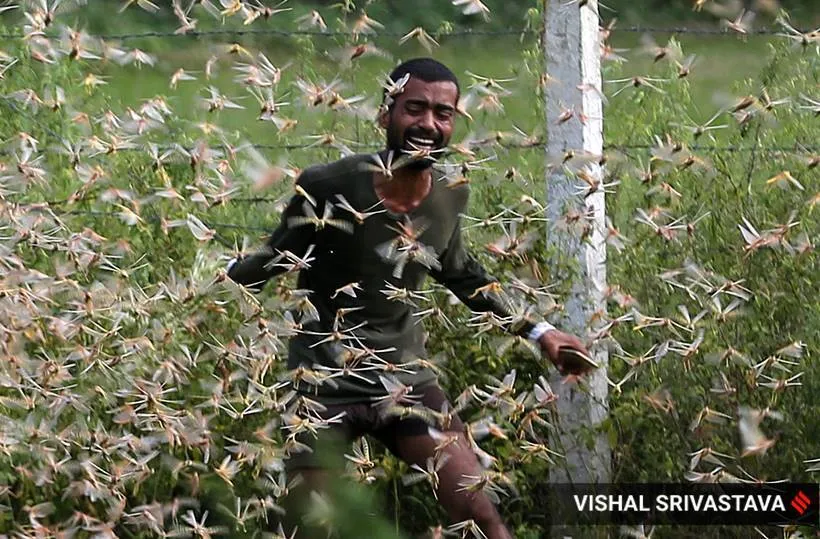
(482, 510)
(462, 504)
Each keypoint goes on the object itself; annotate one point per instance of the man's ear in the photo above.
(384, 118)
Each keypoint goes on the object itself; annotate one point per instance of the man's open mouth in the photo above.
(422, 142)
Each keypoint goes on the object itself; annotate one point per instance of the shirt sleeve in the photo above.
(465, 277)
(255, 270)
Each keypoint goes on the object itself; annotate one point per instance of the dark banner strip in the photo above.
(686, 504)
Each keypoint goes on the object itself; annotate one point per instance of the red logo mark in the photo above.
(800, 502)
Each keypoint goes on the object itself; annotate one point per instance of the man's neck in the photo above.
(405, 191)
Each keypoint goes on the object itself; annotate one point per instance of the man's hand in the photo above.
(553, 341)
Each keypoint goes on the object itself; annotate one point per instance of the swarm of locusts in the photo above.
(131, 383)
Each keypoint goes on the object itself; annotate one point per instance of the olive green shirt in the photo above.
(371, 254)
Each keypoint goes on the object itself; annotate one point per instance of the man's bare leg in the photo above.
(462, 461)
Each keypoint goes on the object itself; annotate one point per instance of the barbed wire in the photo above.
(763, 31)
(457, 33)
(154, 220)
(540, 145)
(797, 149)
(288, 33)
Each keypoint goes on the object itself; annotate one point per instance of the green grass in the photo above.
(722, 62)
(499, 58)
(736, 62)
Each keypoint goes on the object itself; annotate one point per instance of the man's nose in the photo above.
(427, 121)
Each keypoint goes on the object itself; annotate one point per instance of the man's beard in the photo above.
(401, 146)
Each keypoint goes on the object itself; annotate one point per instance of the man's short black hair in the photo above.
(426, 69)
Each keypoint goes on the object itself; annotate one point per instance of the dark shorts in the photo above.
(369, 418)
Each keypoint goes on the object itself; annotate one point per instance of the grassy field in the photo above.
(731, 72)
(726, 73)
(737, 61)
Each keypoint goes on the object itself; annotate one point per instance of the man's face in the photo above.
(422, 117)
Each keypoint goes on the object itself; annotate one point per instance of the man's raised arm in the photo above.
(481, 292)
(473, 285)
(254, 270)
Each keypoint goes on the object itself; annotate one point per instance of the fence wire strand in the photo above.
(456, 33)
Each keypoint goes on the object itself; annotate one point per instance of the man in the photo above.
(365, 231)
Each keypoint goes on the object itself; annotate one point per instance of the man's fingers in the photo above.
(578, 345)
(563, 349)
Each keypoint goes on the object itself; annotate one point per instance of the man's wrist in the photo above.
(538, 330)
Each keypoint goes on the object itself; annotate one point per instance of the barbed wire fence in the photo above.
(806, 37)
(455, 33)
(803, 37)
